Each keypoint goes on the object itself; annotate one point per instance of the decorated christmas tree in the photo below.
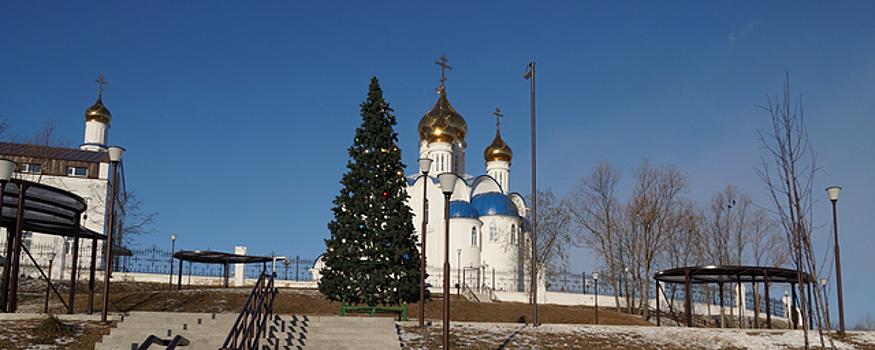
(372, 257)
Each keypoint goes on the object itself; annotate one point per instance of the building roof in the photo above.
(494, 203)
(23, 150)
(462, 209)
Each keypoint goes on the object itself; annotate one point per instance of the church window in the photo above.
(426, 212)
(30, 168)
(77, 171)
(512, 234)
(474, 236)
(493, 232)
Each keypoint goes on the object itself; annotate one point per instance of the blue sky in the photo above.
(237, 116)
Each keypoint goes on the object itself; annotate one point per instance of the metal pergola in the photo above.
(34, 207)
(213, 257)
(721, 275)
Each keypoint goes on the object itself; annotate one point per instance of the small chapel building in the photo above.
(487, 221)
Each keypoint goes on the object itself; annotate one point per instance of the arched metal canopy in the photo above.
(211, 257)
(47, 210)
(731, 274)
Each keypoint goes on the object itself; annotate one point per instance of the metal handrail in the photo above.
(469, 293)
(170, 345)
(490, 293)
(251, 322)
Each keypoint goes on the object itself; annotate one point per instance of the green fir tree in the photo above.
(372, 256)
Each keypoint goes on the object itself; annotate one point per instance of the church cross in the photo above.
(498, 115)
(102, 82)
(444, 67)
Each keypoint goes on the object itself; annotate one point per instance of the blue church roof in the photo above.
(494, 203)
(460, 209)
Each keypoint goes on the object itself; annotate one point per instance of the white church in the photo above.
(84, 171)
(487, 220)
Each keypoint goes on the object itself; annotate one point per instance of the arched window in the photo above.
(426, 212)
(493, 232)
(474, 236)
(512, 234)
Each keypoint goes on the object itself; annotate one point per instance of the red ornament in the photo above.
(385, 194)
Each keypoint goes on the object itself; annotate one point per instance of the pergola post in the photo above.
(16, 252)
(688, 305)
(794, 314)
(657, 302)
(179, 280)
(768, 302)
(74, 268)
(91, 275)
(722, 312)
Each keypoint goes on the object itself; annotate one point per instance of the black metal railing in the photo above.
(168, 344)
(252, 321)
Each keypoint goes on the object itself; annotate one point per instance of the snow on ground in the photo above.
(573, 336)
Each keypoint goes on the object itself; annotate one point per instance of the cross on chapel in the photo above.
(498, 115)
(444, 67)
(102, 82)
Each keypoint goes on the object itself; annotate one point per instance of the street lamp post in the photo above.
(49, 281)
(115, 156)
(823, 282)
(424, 166)
(448, 182)
(172, 250)
(834, 197)
(530, 75)
(595, 278)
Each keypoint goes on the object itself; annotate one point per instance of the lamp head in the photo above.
(823, 281)
(833, 192)
(424, 165)
(51, 256)
(173, 237)
(595, 276)
(6, 168)
(448, 182)
(115, 153)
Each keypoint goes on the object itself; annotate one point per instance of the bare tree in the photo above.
(788, 170)
(554, 236)
(596, 212)
(654, 211)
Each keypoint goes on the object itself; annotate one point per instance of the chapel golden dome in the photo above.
(98, 112)
(498, 150)
(442, 110)
(440, 131)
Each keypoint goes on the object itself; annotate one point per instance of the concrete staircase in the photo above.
(208, 331)
(331, 332)
(205, 331)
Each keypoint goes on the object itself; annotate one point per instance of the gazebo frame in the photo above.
(213, 257)
(726, 274)
(30, 206)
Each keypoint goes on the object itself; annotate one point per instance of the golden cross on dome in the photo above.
(102, 82)
(498, 115)
(444, 67)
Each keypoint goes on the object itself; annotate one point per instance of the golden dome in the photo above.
(442, 110)
(498, 150)
(98, 112)
(440, 131)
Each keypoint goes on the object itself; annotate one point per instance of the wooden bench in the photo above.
(374, 310)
